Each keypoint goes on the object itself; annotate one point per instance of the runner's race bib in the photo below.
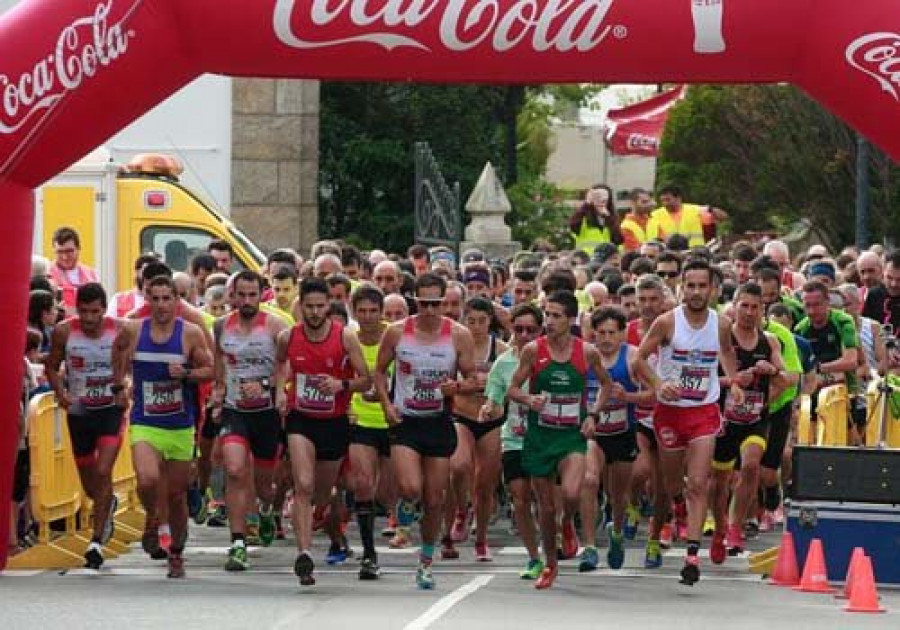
(252, 394)
(748, 412)
(694, 382)
(426, 395)
(309, 397)
(93, 392)
(562, 411)
(613, 419)
(163, 398)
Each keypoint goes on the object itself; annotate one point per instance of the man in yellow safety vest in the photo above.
(634, 224)
(595, 222)
(687, 219)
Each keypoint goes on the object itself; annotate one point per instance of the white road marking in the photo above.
(444, 604)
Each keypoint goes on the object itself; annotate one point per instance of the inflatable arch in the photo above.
(73, 72)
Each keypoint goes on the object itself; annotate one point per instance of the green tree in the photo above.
(769, 155)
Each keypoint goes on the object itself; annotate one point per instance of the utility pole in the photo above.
(862, 192)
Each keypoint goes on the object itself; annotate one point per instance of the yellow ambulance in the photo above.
(121, 212)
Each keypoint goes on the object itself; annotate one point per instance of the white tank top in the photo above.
(691, 361)
(89, 366)
(420, 369)
(249, 358)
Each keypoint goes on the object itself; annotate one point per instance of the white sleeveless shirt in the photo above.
(691, 361)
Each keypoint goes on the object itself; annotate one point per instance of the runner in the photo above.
(527, 320)
(476, 461)
(612, 452)
(85, 343)
(325, 365)
(759, 370)
(556, 367)
(429, 351)
(692, 341)
(370, 447)
(166, 353)
(250, 424)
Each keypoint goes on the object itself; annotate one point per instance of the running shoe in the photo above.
(569, 540)
(165, 540)
(767, 522)
(267, 527)
(548, 576)
(390, 528)
(632, 521)
(459, 532)
(320, 517)
(646, 506)
(709, 525)
(590, 559)
(368, 569)
(482, 552)
(717, 550)
(150, 542)
(778, 515)
(219, 517)
(665, 536)
(237, 559)
(653, 555)
(615, 556)
(336, 554)
(400, 539)
(751, 528)
(303, 569)
(424, 575)
(533, 570)
(735, 540)
(93, 557)
(690, 572)
(176, 565)
(109, 527)
(679, 512)
(253, 530)
(448, 551)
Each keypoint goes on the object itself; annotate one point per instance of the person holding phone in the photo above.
(595, 222)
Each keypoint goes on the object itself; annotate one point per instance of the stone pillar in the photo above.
(275, 161)
(487, 205)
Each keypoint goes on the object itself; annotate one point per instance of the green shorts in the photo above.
(173, 445)
(545, 448)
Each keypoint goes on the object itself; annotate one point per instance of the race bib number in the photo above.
(694, 382)
(748, 412)
(253, 394)
(426, 396)
(163, 398)
(612, 420)
(518, 416)
(562, 411)
(309, 397)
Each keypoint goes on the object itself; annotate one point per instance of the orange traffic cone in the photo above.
(815, 575)
(855, 557)
(786, 571)
(863, 594)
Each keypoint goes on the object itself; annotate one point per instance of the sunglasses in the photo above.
(526, 330)
(423, 303)
(668, 274)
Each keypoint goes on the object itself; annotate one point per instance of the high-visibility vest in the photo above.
(68, 288)
(629, 224)
(588, 237)
(662, 226)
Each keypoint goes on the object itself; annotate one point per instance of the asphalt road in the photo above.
(132, 592)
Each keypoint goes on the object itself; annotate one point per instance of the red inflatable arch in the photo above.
(73, 72)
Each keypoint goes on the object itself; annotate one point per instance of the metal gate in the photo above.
(438, 213)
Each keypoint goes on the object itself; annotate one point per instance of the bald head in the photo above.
(395, 308)
(184, 286)
(778, 251)
(386, 276)
(327, 264)
(598, 293)
(870, 269)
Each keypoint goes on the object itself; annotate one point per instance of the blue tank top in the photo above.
(160, 400)
(617, 416)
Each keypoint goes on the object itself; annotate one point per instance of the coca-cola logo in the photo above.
(561, 25)
(642, 142)
(82, 49)
(878, 55)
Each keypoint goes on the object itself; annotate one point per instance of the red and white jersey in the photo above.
(310, 362)
(89, 365)
(249, 357)
(691, 360)
(421, 368)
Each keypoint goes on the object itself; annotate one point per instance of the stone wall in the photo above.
(275, 161)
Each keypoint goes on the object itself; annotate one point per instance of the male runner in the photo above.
(428, 351)
(85, 343)
(556, 367)
(245, 391)
(166, 353)
(325, 365)
(746, 424)
(692, 341)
